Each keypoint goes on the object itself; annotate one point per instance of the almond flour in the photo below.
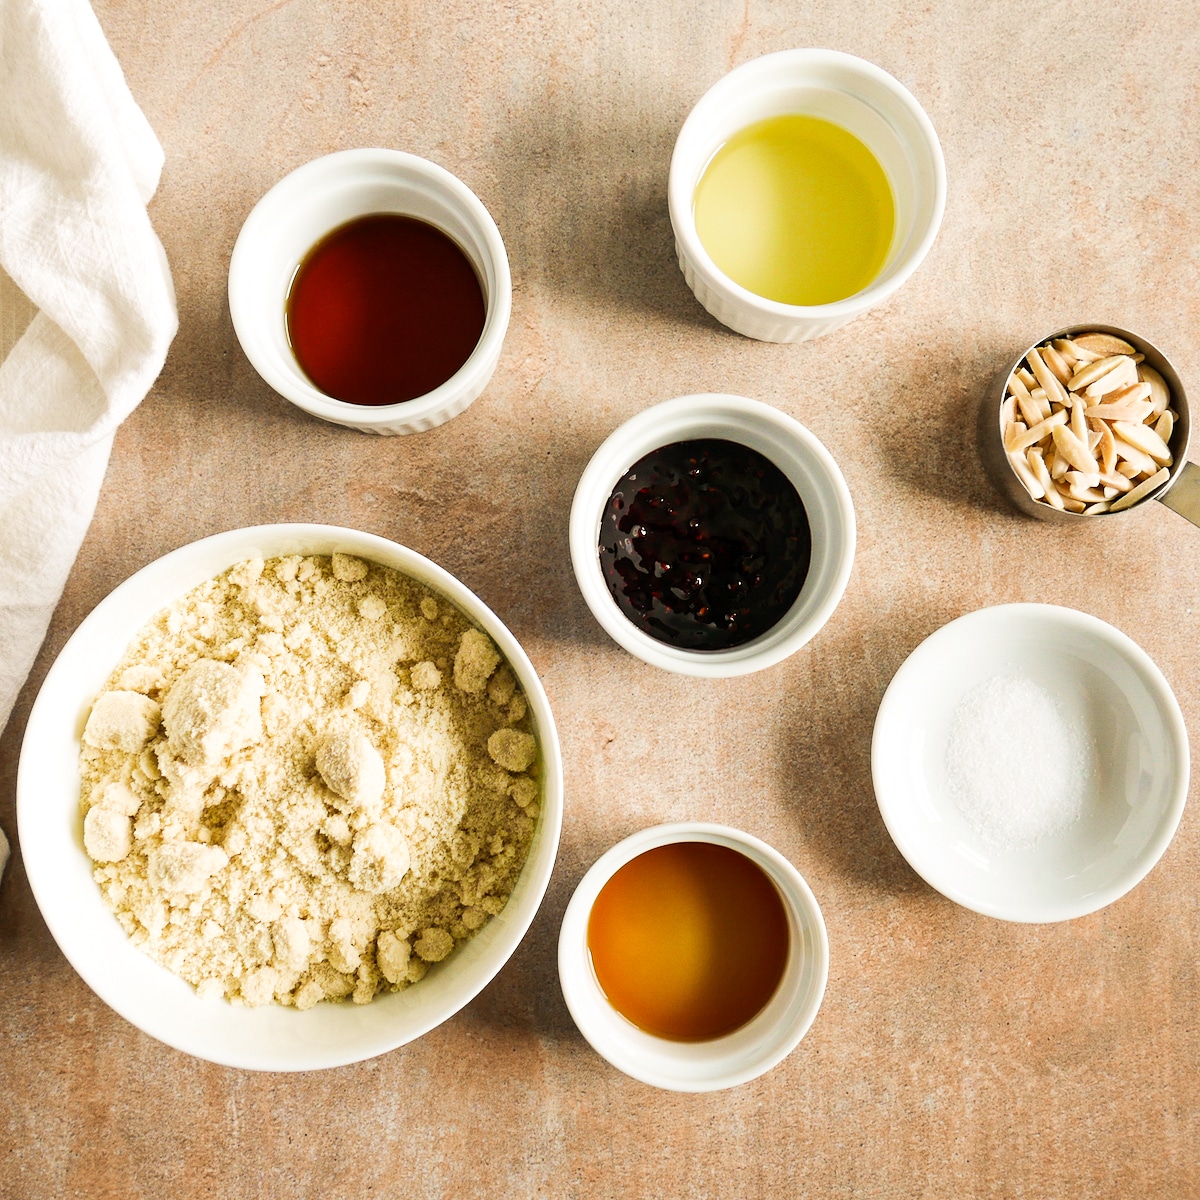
(308, 779)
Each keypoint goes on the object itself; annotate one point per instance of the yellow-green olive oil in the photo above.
(796, 209)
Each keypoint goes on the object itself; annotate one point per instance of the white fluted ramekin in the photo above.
(847, 91)
(795, 451)
(722, 1062)
(314, 200)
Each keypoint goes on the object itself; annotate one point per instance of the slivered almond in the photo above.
(1057, 464)
(1033, 456)
(1092, 371)
(1093, 440)
(1136, 458)
(1143, 489)
(1129, 393)
(1026, 377)
(1092, 509)
(1110, 479)
(1008, 411)
(1121, 375)
(1128, 469)
(1057, 364)
(1073, 450)
(1078, 492)
(1035, 433)
(1030, 409)
(1073, 505)
(1160, 395)
(1108, 449)
(1084, 479)
(1067, 349)
(1082, 353)
(1015, 430)
(1103, 343)
(1136, 410)
(1145, 439)
(1111, 493)
(1079, 425)
(1045, 376)
(1026, 476)
(1165, 425)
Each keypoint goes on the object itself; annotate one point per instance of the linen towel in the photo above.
(78, 163)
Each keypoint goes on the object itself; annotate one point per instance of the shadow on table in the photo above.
(826, 757)
(929, 423)
(525, 995)
(582, 202)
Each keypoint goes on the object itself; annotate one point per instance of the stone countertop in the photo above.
(954, 1055)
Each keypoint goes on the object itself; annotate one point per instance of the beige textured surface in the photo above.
(954, 1055)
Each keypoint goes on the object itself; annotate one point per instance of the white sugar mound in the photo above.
(1017, 769)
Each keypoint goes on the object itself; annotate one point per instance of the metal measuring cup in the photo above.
(1181, 490)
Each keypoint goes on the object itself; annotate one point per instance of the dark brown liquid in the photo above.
(704, 544)
(689, 941)
(384, 309)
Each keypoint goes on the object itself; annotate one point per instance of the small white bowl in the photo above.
(1103, 683)
(795, 451)
(270, 1038)
(846, 91)
(722, 1062)
(318, 198)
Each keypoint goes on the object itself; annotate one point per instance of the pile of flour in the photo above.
(308, 779)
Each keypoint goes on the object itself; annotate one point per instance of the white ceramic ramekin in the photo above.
(270, 1038)
(795, 451)
(847, 91)
(722, 1062)
(317, 198)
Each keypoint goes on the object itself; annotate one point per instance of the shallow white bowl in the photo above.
(795, 451)
(844, 90)
(271, 1038)
(725, 1061)
(314, 200)
(1102, 681)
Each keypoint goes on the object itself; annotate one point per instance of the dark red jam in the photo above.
(704, 545)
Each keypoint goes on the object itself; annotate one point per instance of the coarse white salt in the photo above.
(1017, 769)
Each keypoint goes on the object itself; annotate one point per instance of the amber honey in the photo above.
(689, 941)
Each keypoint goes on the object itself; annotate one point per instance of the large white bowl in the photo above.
(797, 452)
(1105, 684)
(271, 1038)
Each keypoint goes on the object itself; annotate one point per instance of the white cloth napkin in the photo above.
(78, 163)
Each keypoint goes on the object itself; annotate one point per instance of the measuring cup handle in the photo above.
(1184, 494)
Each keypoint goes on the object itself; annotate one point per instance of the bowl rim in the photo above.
(675, 420)
(680, 191)
(575, 981)
(41, 850)
(886, 795)
(341, 167)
